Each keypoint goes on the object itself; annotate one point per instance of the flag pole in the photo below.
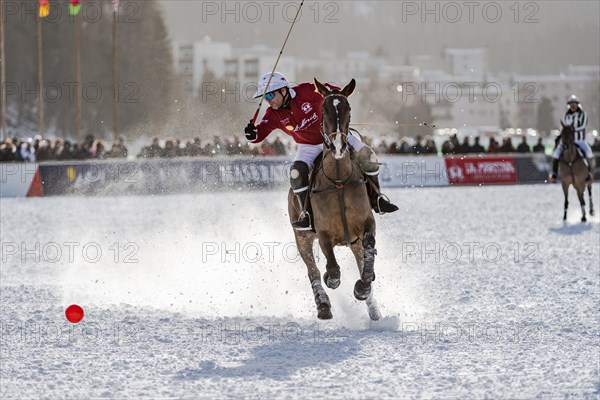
(40, 76)
(3, 98)
(114, 70)
(78, 116)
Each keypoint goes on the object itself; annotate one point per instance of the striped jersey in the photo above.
(579, 120)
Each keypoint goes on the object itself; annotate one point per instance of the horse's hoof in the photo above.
(584, 219)
(361, 291)
(324, 312)
(330, 282)
(592, 213)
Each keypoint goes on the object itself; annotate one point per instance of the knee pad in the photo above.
(367, 161)
(299, 176)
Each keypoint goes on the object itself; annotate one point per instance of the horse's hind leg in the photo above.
(359, 253)
(589, 187)
(333, 274)
(304, 241)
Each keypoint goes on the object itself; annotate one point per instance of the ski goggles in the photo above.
(270, 96)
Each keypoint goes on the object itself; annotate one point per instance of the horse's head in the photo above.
(335, 117)
(567, 134)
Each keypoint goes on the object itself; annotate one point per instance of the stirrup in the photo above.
(299, 227)
(378, 205)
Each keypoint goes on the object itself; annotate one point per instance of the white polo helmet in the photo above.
(278, 81)
(573, 99)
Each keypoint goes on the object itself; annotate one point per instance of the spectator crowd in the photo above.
(44, 149)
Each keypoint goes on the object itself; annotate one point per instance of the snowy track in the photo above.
(484, 291)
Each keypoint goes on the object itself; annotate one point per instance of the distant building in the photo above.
(456, 83)
(467, 63)
(528, 90)
(193, 61)
(247, 65)
(243, 67)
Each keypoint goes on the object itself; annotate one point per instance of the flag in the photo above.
(44, 8)
(115, 4)
(74, 7)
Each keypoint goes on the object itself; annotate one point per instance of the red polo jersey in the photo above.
(302, 121)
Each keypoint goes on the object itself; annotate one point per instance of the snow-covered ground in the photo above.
(485, 292)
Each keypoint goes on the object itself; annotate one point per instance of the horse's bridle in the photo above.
(325, 137)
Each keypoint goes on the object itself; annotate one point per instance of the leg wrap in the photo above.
(320, 295)
(368, 274)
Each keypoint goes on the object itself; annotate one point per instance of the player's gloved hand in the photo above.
(250, 131)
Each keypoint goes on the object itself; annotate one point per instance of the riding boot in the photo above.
(554, 170)
(379, 202)
(590, 174)
(299, 182)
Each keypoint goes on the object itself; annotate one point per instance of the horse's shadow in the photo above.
(279, 360)
(576, 229)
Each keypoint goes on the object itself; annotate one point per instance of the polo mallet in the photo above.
(391, 124)
(275, 66)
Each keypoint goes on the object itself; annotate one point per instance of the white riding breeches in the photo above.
(582, 144)
(355, 142)
(307, 153)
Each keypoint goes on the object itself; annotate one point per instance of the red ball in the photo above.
(74, 313)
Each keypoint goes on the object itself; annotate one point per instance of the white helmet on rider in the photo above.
(278, 81)
(572, 99)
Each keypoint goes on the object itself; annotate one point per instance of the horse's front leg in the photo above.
(589, 187)
(304, 241)
(358, 250)
(332, 277)
(566, 192)
(362, 288)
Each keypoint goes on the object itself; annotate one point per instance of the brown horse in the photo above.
(573, 171)
(341, 208)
